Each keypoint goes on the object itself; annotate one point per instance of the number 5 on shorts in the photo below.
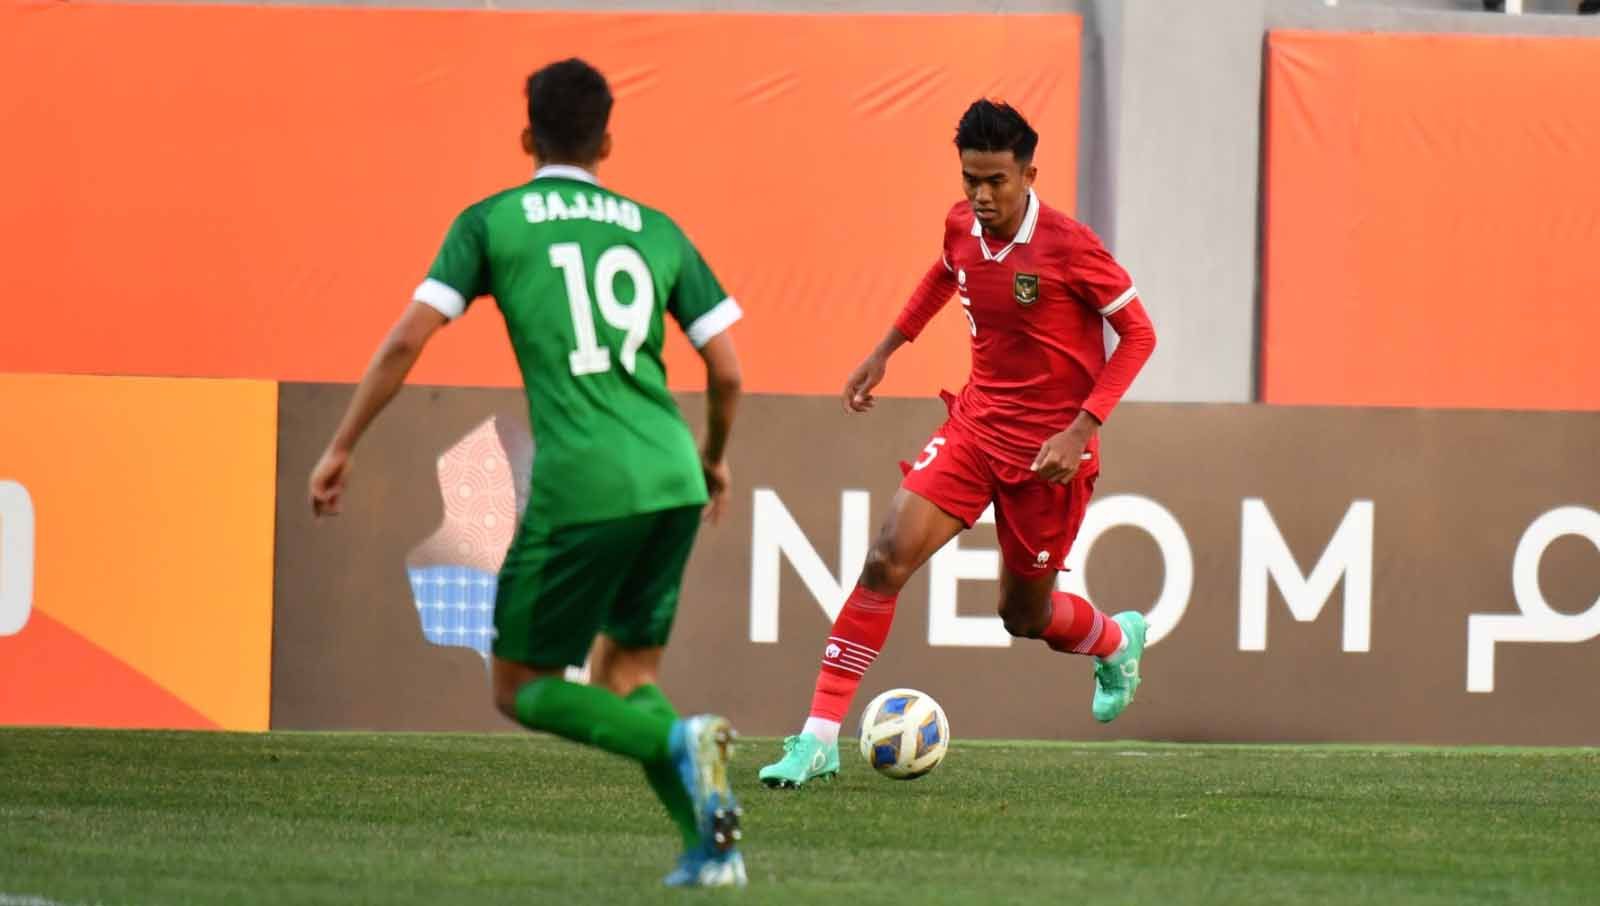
(929, 453)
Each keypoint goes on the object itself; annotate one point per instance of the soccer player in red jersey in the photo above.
(1036, 288)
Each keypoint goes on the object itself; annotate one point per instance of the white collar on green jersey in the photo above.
(565, 171)
(1030, 221)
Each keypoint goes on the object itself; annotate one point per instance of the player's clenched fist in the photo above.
(327, 482)
(719, 478)
(858, 388)
(1061, 456)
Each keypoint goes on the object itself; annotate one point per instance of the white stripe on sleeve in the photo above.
(442, 297)
(706, 327)
(1121, 302)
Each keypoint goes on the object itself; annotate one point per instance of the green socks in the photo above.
(663, 776)
(637, 727)
(594, 717)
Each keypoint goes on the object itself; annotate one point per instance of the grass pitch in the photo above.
(92, 817)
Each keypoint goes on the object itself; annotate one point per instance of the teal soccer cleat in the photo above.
(1116, 678)
(805, 758)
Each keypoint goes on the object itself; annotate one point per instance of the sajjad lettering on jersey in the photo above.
(540, 207)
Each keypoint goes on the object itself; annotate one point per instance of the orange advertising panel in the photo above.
(223, 191)
(136, 541)
(1431, 226)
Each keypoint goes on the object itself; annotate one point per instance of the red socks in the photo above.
(863, 624)
(857, 637)
(1077, 628)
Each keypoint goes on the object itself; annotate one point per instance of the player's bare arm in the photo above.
(857, 395)
(385, 374)
(723, 389)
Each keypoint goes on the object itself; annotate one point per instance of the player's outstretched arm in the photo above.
(386, 372)
(931, 294)
(858, 386)
(723, 389)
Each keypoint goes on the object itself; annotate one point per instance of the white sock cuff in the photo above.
(822, 728)
(1122, 647)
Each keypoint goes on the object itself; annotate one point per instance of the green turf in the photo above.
(113, 818)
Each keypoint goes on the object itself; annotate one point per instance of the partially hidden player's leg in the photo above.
(554, 589)
(558, 589)
(541, 698)
(915, 530)
(632, 674)
(1036, 523)
(694, 785)
(622, 668)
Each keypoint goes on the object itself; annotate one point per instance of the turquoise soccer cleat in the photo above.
(1116, 678)
(805, 758)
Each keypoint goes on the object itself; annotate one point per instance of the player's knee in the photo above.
(509, 683)
(1022, 620)
(623, 683)
(886, 571)
(622, 670)
(1020, 627)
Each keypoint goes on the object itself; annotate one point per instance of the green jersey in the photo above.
(583, 276)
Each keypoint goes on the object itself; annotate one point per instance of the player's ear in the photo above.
(605, 148)
(1029, 174)
(527, 141)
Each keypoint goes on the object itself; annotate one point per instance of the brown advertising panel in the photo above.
(1310, 574)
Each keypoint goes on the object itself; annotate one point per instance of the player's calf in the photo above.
(1078, 627)
(887, 569)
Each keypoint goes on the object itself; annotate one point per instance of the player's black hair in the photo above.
(569, 104)
(996, 126)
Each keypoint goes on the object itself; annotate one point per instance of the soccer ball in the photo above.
(904, 734)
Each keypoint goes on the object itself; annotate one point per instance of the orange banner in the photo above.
(140, 513)
(227, 191)
(1430, 221)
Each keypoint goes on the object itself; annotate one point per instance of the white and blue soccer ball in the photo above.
(904, 734)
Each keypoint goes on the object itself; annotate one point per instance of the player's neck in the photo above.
(568, 166)
(1009, 230)
(1005, 232)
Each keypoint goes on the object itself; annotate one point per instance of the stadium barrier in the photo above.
(1311, 573)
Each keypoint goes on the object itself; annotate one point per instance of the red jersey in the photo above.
(1036, 307)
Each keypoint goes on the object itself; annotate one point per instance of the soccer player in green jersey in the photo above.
(583, 277)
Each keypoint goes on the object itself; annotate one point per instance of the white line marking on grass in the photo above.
(16, 899)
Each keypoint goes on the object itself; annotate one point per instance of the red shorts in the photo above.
(1036, 520)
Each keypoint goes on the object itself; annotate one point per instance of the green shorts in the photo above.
(561, 587)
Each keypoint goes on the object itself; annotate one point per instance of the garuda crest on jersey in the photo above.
(1025, 288)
